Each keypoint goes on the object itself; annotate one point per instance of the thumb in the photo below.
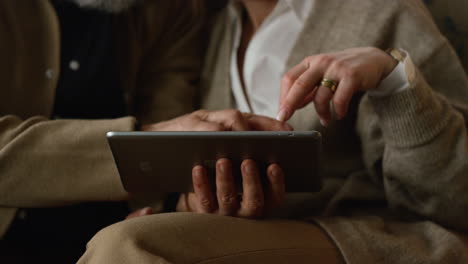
(140, 212)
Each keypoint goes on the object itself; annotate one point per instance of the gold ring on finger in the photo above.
(330, 84)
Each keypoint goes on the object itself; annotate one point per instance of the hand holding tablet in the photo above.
(256, 200)
(240, 174)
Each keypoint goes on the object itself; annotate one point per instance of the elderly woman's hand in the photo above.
(352, 70)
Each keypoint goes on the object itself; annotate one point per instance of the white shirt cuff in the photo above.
(395, 82)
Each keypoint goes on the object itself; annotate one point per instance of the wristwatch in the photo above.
(397, 54)
(403, 57)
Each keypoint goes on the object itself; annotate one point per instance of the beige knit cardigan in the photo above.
(396, 169)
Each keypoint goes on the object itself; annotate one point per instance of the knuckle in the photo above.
(217, 127)
(339, 101)
(301, 84)
(288, 79)
(227, 199)
(235, 114)
(350, 73)
(238, 115)
(255, 205)
(338, 65)
(310, 59)
(205, 203)
(199, 112)
(325, 59)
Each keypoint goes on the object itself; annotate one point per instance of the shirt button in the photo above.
(49, 74)
(74, 65)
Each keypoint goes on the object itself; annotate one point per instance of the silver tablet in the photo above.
(163, 161)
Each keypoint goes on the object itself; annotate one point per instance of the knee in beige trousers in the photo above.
(202, 238)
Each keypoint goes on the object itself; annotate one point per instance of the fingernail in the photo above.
(198, 172)
(222, 167)
(283, 115)
(275, 173)
(323, 122)
(249, 168)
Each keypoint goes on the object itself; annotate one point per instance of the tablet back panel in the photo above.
(163, 161)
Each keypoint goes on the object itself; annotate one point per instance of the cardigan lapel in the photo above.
(312, 39)
(216, 82)
(32, 48)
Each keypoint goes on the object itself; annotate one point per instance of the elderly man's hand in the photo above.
(357, 69)
(224, 120)
(255, 201)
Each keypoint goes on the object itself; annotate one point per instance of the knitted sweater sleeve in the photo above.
(415, 142)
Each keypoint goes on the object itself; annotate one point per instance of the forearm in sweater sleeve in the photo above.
(425, 150)
(53, 163)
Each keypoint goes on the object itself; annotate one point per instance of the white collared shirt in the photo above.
(267, 55)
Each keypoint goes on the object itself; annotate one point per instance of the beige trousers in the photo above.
(201, 238)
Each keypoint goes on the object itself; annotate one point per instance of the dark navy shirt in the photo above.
(88, 86)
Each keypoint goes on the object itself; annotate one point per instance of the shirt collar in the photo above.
(300, 8)
(235, 9)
